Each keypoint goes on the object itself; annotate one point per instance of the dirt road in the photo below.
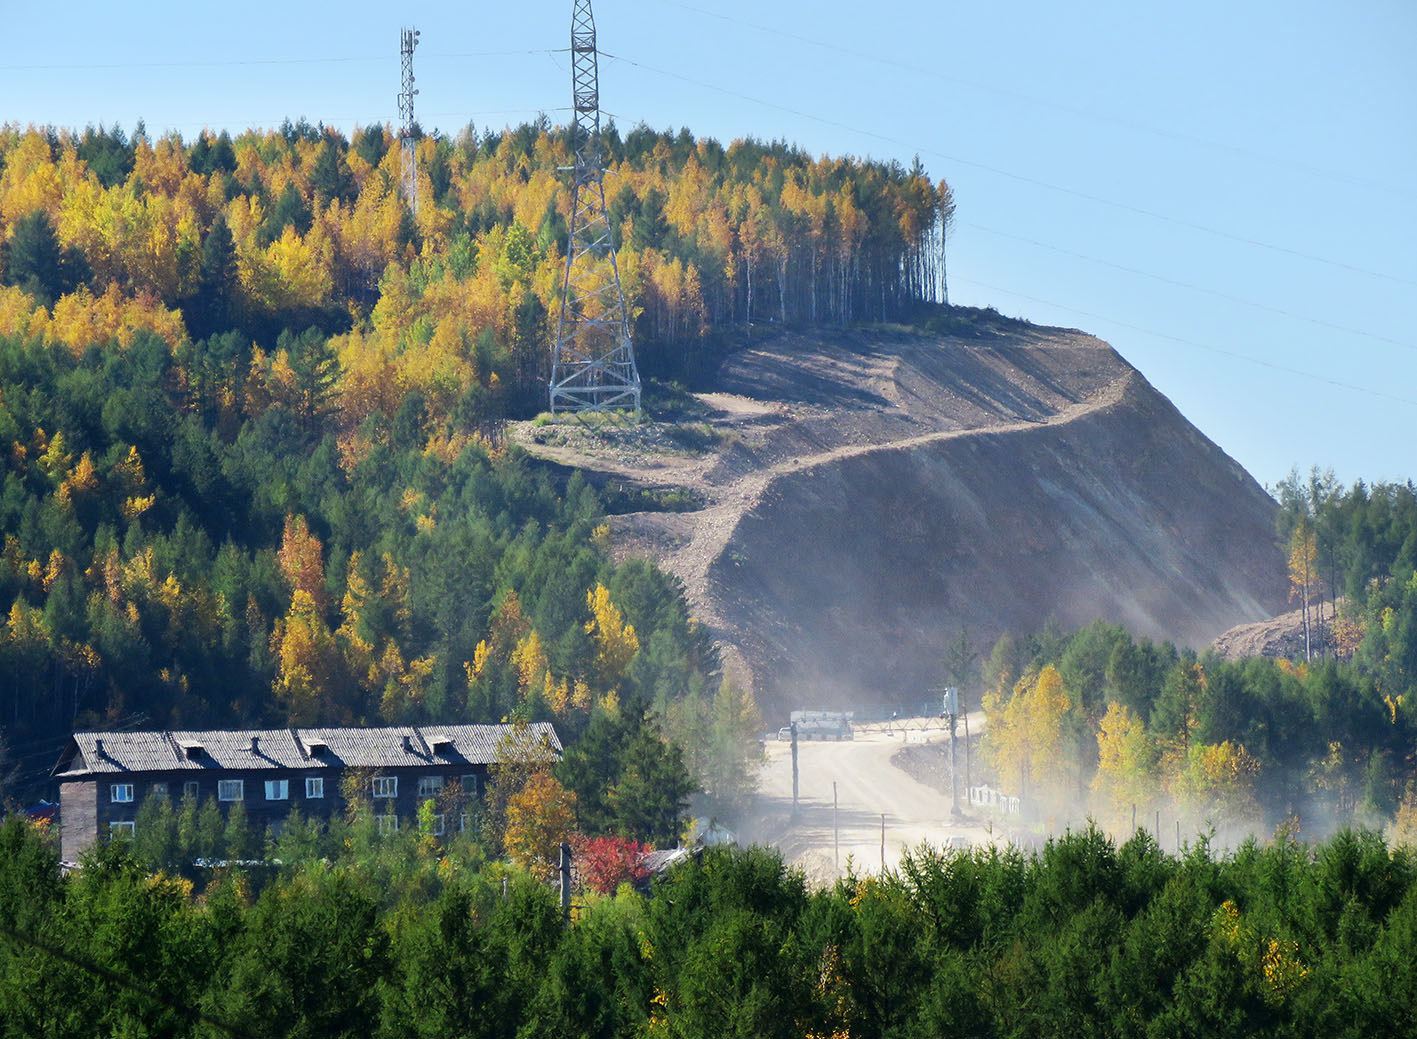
(867, 786)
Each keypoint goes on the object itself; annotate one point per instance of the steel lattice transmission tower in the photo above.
(593, 367)
(408, 145)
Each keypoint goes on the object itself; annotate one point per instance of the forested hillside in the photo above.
(1098, 720)
(250, 410)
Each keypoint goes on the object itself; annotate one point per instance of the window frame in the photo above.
(469, 784)
(224, 788)
(389, 785)
(120, 793)
(282, 786)
(386, 824)
(430, 786)
(315, 788)
(122, 826)
(192, 787)
(159, 790)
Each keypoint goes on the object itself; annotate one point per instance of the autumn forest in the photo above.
(255, 473)
(251, 406)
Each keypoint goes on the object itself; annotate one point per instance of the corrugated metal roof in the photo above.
(400, 746)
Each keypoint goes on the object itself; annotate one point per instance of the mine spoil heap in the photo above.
(865, 496)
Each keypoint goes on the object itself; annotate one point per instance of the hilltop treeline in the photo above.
(298, 227)
(1099, 721)
(1084, 937)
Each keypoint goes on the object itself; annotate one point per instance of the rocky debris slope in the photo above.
(1282, 636)
(855, 500)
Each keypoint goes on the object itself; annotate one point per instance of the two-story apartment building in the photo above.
(105, 776)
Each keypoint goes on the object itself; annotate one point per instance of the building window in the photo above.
(277, 790)
(314, 786)
(191, 789)
(469, 786)
(121, 829)
(387, 823)
(430, 786)
(386, 786)
(438, 825)
(121, 793)
(230, 790)
(462, 822)
(159, 790)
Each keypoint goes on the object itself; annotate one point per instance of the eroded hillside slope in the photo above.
(867, 495)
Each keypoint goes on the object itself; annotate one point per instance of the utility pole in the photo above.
(952, 712)
(968, 782)
(883, 843)
(565, 885)
(794, 768)
(593, 367)
(836, 833)
(408, 143)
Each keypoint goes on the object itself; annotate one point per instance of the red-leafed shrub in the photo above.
(607, 862)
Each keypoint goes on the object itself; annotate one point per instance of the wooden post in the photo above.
(836, 832)
(565, 885)
(883, 843)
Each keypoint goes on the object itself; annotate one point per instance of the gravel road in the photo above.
(867, 786)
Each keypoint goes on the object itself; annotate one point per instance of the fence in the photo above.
(995, 800)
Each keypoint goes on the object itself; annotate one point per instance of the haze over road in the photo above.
(868, 785)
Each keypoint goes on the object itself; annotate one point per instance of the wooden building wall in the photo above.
(78, 818)
(94, 811)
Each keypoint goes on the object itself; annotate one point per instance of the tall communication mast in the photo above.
(593, 368)
(408, 145)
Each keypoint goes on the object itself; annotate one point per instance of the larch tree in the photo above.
(1127, 759)
(1024, 740)
(1303, 573)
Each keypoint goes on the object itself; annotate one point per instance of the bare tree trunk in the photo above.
(1308, 648)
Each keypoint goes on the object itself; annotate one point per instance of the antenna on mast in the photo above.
(408, 144)
(593, 367)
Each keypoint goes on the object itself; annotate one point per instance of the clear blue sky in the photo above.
(1222, 190)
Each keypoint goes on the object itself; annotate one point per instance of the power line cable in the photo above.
(1191, 342)
(1021, 178)
(241, 62)
(1188, 285)
(1048, 103)
(330, 121)
(121, 980)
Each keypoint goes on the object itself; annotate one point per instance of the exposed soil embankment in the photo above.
(1282, 636)
(867, 496)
